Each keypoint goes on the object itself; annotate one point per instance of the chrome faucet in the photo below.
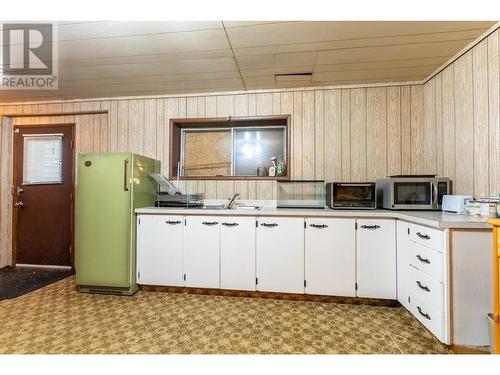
(232, 201)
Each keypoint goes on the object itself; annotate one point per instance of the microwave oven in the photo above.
(413, 192)
(351, 195)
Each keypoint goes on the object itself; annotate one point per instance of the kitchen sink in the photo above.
(221, 207)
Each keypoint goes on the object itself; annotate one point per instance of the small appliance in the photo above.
(412, 192)
(351, 195)
(456, 203)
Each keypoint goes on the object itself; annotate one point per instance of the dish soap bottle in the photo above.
(280, 167)
(272, 168)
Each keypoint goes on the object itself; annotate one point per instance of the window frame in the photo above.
(179, 126)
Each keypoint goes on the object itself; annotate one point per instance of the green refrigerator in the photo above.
(110, 186)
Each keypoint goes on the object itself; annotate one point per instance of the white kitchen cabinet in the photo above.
(237, 253)
(330, 257)
(403, 262)
(376, 258)
(160, 250)
(280, 254)
(202, 251)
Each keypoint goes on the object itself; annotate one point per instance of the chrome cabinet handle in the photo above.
(423, 287)
(423, 260)
(171, 222)
(230, 224)
(319, 226)
(427, 316)
(210, 223)
(423, 236)
(269, 225)
(125, 175)
(370, 226)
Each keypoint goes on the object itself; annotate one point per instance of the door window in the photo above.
(42, 159)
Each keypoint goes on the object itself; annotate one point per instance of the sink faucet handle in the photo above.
(232, 200)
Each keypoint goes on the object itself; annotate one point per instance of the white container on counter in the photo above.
(488, 209)
(474, 208)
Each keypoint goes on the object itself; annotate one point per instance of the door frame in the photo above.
(72, 125)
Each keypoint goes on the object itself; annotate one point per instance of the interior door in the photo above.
(43, 195)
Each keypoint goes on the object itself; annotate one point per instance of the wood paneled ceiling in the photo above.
(105, 59)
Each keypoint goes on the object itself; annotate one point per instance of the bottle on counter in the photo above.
(272, 168)
(280, 167)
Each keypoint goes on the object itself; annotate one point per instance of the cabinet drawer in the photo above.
(432, 319)
(429, 237)
(427, 260)
(427, 288)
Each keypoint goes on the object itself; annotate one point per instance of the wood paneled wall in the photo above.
(462, 115)
(343, 134)
(340, 134)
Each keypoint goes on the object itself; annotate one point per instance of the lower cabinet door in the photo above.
(202, 251)
(376, 259)
(403, 262)
(237, 253)
(160, 250)
(330, 257)
(280, 254)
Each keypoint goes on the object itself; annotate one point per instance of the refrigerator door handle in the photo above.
(125, 175)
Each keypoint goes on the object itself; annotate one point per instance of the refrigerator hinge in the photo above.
(185, 222)
(408, 230)
(184, 277)
(138, 275)
(256, 281)
(355, 225)
(409, 300)
(305, 225)
(356, 286)
(256, 223)
(139, 221)
(305, 283)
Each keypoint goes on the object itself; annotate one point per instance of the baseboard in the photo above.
(463, 349)
(271, 295)
(21, 265)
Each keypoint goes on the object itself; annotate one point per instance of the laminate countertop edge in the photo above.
(435, 219)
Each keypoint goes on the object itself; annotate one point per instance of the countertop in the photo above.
(435, 219)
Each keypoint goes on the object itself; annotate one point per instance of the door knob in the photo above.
(19, 205)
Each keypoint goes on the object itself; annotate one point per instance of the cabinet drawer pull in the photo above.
(320, 226)
(269, 225)
(423, 287)
(230, 224)
(210, 223)
(427, 316)
(172, 222)
(370, 226)
(423, 260)
(423, 236)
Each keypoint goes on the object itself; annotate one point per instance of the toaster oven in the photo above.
(351, 195)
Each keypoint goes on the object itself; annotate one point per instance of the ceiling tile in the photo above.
(314, 31)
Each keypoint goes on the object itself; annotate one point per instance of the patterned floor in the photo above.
(58, 319)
